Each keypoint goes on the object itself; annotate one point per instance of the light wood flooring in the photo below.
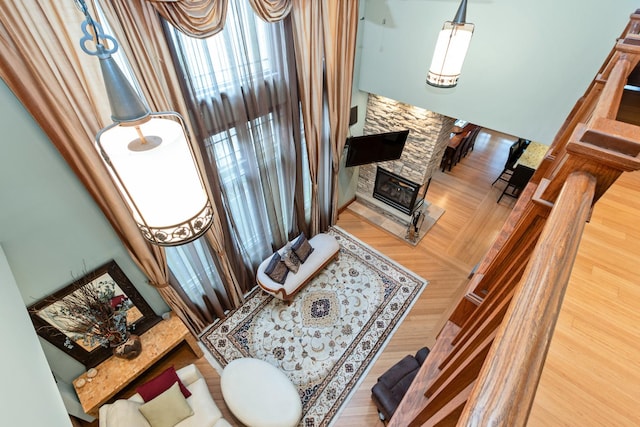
(592, 374)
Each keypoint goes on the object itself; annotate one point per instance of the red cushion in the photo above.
(160, 384)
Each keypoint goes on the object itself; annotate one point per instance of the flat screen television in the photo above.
(380, 147)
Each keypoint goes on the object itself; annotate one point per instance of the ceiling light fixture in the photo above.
(451, 49)
(148, 155)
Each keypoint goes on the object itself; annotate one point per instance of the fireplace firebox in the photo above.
(396, 191)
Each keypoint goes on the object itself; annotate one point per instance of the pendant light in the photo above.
(451, 49)
(148, 155)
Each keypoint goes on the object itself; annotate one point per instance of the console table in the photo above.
(114, 373)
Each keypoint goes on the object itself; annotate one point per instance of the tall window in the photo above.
(241, 89)
(221, 62)
(195, 270)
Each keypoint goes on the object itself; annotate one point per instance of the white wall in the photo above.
(50, 228)
(29, 393)
(528, 63)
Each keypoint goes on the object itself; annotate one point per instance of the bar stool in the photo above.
(518, 180)
(515, 151)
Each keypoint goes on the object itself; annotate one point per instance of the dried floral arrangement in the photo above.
(93, 314)
(89, 321)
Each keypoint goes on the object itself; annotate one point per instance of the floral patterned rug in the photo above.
(332, 331)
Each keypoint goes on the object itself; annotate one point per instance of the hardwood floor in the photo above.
(445, 256)
(592, 374)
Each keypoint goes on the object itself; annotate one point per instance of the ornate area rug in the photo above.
(332, 331)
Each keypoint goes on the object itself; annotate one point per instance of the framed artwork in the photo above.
(140, 317)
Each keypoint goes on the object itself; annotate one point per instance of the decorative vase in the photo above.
(129, 348)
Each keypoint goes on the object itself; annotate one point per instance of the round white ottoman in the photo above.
(259, 394)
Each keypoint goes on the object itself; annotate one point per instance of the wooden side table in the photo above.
(114, 373)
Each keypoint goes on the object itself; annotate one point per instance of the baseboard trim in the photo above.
(346, 205)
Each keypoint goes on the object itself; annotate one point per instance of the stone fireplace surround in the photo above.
(428, 137)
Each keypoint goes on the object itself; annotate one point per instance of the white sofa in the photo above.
(125, 413)
(325, 249)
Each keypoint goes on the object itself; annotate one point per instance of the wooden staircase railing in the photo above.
(515, 362)
(488, 358)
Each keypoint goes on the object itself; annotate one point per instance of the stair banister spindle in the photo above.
(514, 363)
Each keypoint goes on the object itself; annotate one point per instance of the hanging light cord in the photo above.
(93, 33)
(126, 104)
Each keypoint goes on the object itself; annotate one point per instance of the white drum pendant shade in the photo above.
(148, 155)
(448, 56)
(154, 169)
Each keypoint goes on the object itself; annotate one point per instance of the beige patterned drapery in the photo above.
(62, 89)
(309, 42)
(271, 10)
(204, 18)
(325, 35)
(340, 21)
(150, 57)
(42, 65)
(198, 18)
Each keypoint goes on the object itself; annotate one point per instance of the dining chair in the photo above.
(518, 180)
(464, 146)
(447, 158)
(472, 139)
(460, 148)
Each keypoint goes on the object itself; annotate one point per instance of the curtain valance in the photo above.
(204, 18)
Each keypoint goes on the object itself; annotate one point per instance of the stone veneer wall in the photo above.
(428, 136)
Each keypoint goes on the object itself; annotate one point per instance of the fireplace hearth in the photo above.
(396, 191)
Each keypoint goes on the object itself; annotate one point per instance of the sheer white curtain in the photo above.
(241, 85)
(195, 269)
(241, 90)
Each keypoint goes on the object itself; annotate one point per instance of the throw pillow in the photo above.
(302, 247)
(206, 411)
(277, 269)
(167, 409)
(123, 412)
(161, 383)
(291, 260)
